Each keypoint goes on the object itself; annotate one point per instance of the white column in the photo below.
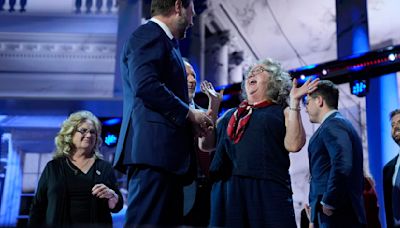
(129, 18)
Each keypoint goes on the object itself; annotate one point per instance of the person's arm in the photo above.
(201, 122)
(339, 145)
(327, 209)
(117, 200)
(110, 192)
(295, 137)
(37, 214)
(388, 171)
(207, 143)
(144, 57)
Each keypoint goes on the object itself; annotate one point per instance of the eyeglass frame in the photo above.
(84, 131)
(306, 99)
(255, 71)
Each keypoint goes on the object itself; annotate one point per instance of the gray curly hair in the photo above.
(279, 85)
(63, 140)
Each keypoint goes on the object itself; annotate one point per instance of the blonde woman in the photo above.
(77, 187)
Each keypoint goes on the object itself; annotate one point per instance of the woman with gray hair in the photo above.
(77, 188)
(252, 185)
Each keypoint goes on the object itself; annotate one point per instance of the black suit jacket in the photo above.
(388, 171)
(336, 167)
(154, 131)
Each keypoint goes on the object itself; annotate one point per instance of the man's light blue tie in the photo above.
(175, 43)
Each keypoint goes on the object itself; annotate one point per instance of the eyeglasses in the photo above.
(306, 100)
(84, 131)
(256, 71)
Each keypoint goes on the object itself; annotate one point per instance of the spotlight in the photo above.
(110, 140)
(359, 87)
(110, 130)
(303, 78)
(392, 57)
(112, 121)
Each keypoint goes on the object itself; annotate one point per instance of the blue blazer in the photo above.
(154, 130)
(336, 167)
(388, 172)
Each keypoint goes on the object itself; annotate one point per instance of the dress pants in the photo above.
(155, 198)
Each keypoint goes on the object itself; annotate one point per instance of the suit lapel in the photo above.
(178, 56)
(392, 168)
(175, 50)
(333, 115)
(320, 128)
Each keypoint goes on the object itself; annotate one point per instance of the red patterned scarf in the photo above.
(240, 118)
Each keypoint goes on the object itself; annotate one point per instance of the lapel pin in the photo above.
(98, 172)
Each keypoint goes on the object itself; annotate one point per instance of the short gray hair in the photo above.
(279, 85)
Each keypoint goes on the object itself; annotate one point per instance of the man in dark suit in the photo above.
(155, 145)
(391, 178)
(336, 163)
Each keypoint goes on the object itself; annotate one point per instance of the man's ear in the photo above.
(320, 101)
(178, 7)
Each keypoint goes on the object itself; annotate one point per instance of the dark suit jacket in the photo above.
(336, 167)
(388, 171)
(155, 131)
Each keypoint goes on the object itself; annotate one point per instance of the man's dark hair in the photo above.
(393, 113)
(329, 92)
(164, 7)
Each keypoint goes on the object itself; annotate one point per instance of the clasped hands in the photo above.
(201, 122)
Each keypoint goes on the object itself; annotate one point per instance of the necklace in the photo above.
(76, 171)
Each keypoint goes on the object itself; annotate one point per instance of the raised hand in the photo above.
(307, 88)
(208, 89)
(214, 99)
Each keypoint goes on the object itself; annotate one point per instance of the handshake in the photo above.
(201, 122)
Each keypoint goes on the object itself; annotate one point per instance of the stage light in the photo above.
(112, 121)
(359, 87)
(304, 78)
(110, 140)
(355, 67)
(392, 57)
(110, 132)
